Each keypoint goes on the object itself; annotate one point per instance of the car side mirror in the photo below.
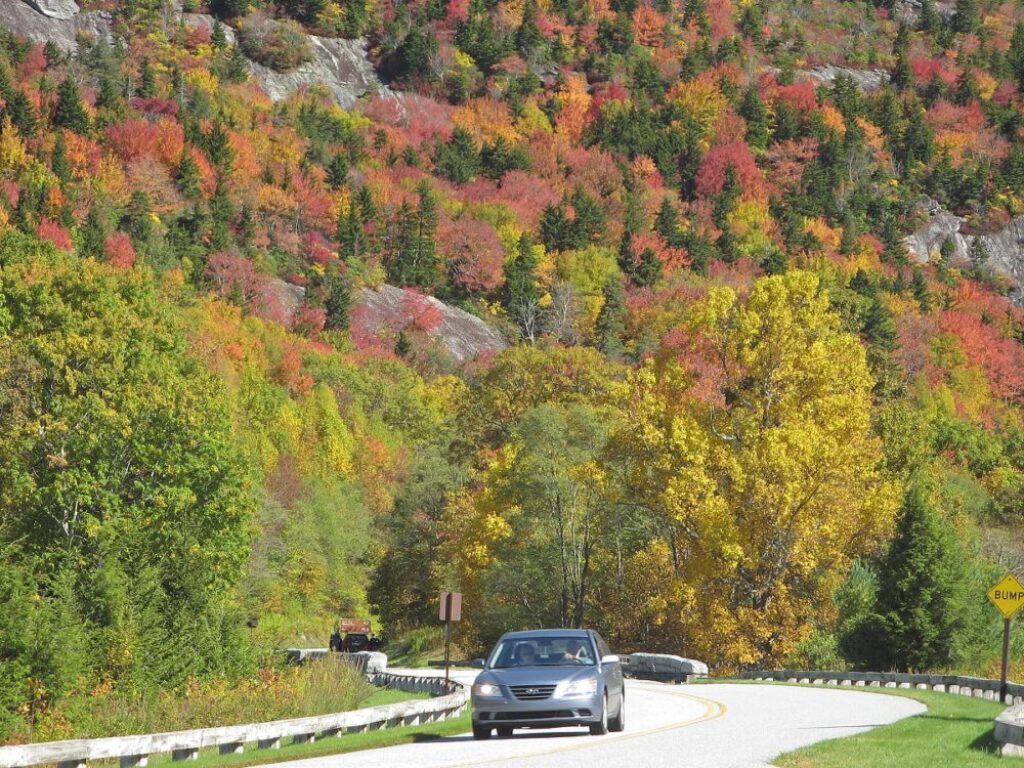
(611, 658)
(477, 663)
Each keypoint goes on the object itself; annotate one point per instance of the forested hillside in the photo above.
(757, 406)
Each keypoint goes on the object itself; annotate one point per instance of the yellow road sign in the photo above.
(1007, 595)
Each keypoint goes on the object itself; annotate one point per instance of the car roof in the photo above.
(546, 633)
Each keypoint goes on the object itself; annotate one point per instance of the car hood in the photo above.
(529, 675)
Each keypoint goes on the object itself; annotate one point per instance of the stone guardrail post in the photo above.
(449, 700)
(1009, 726)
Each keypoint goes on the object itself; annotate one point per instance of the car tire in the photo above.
(480, 732)
(618, 723)
(600, 728)
(504, 731)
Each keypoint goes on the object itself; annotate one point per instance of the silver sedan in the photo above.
(549, 678)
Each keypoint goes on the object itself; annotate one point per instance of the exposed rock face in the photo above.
(63, 32)
(1005, 248)
(55, 9)
(463, 335)
(341, 65)
(866, 79)
(199, 20)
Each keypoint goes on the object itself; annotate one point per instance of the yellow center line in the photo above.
(715, 709)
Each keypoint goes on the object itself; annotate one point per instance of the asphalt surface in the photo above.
(711, 726)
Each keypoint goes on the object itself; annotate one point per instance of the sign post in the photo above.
(451, 610)
(1008, 597)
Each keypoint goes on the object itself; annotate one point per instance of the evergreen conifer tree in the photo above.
(610, 325)
(69, 112)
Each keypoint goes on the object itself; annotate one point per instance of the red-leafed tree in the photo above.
(1001, 359)
(419, 311)
(120, 251)
(473, 254)
(53, 232)
(736, 155)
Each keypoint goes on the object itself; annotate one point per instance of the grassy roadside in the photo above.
(351, 742)
(955, 731)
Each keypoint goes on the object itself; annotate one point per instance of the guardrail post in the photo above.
(134, 761)
(71, 764)
(304, 738)
(186, 753)
(233, 748)
(272, 743)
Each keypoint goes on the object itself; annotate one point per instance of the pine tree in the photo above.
(59, 162)
(337, 171)
(522, 297)
(967, 18)
(920, 289)
(458, 159)
(610, 325)
(528, 36)
(218, 148)
(648, 268)
(218, 37)
(415, 263)
(92, 235)
(236, 69)
(919, 609)
(338, 300)
(69, 112)
(666, 224)
(187, 177)
(147, 80)
(752, 110)
(21, 113)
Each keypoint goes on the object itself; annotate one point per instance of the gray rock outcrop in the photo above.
(200, 20)
(462, 334)
(28, 21)
(1005, 248)
(340, 65)
(866, 79)
(56, 9)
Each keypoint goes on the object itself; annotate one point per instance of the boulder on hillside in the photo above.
(1005, 248)
(341, 65)
(30, 22)
(463, 335)
(56, 9)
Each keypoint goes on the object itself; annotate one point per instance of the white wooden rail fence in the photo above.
(1009, 725)
(450, 700)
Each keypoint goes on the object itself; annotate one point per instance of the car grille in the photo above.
(532, 692)
(547, 714)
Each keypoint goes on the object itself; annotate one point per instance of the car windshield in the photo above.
(542, 651)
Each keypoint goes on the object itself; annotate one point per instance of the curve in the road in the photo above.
(710, 726)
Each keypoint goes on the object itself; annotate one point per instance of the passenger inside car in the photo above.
(525, 655)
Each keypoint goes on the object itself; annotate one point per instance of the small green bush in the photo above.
(280, 45)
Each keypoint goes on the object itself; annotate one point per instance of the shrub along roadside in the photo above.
(955, 730)
(274, 694)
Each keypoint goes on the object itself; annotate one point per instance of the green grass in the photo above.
(335, 745)
(955, 731)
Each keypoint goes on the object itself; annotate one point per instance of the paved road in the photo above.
(711, 726)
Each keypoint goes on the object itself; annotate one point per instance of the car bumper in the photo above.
(547, 713)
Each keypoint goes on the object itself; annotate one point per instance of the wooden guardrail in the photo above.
(1009, 725)
(132, 751)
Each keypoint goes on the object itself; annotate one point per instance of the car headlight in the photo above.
(486, 689)
(585, 687)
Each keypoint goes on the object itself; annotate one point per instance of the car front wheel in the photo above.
(600, 728)
(618, 723)
(504, 731)
(480, 732)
